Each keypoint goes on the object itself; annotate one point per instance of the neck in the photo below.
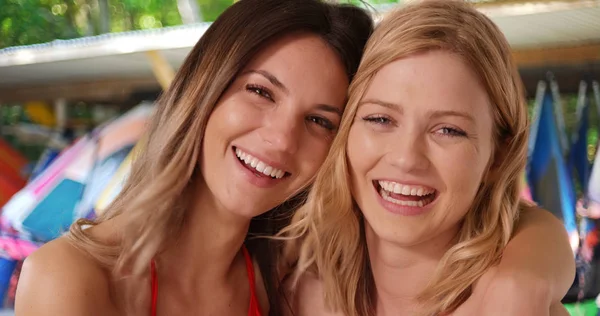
(208, 247)
(401, 272)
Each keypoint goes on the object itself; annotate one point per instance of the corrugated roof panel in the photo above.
(122, 55)
(551, 29)
(104, 45)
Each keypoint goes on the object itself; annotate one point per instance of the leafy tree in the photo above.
(24, 22)
(28, 22)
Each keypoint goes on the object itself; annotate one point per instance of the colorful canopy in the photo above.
(69, 187)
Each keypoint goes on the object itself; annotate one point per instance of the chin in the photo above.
(396, 232)
(247, 209)
(241, 210)
(401, 238)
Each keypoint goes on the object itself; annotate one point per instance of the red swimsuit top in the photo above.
(253, 310)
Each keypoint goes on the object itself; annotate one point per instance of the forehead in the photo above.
(434, 80)
(307, 66)
(301, 53)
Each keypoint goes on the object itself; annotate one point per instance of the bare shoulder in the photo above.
(558, 309)
(59, 279)
(306, 298)
(543, 223)
(533, 215)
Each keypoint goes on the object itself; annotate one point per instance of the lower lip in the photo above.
(249, 173)
(403, 210)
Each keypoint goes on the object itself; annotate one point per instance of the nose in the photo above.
(282, 131)
(408, 152)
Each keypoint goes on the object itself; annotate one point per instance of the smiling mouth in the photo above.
(405, 195)
(258, 167)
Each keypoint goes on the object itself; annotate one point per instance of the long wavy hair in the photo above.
(327, 234)
(152, 206)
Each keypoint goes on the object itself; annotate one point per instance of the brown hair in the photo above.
(152, 205)
(329, 227)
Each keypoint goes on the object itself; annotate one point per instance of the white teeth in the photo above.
(381, 183)
(268, 170)
(412, 190)
(386, 196)
(242, 155)
(406, 190)
(260, 166)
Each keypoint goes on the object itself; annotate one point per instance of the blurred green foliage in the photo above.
(24, 22)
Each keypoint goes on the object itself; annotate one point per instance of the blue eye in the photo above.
(452, 132)
(260, 91)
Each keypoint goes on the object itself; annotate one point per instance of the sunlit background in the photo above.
(77, 75)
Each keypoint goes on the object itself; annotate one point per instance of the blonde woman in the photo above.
(419, 196)
(245, 125)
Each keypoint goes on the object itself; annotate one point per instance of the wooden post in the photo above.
(163, 71)
(60, 113)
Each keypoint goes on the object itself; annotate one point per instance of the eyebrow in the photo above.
(433, 114)
(389, 105)
(279, 84)
(467, 116)
(269, 77)
(330, 108)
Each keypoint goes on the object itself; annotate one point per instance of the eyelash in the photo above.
(265, 93)
(378, 119)
(453, 132)
(384, 120)
(323, 122)
(260, 91)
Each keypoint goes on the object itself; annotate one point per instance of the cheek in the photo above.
(462, 172)
(362, 150)
(352, 153)
(312, 157)
(233, 113)
(312, 153)
(231, 117)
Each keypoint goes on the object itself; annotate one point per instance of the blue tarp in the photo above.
(548, 173)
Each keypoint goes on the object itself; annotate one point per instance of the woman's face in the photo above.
(419, 148)
(273, 127)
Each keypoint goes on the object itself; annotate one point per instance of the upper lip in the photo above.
(270, 162)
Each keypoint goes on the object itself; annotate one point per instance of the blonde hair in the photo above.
(329, 228)
(152, 206)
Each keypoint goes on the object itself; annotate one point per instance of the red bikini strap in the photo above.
(153, 288)
(254, 308)
(250, 269)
